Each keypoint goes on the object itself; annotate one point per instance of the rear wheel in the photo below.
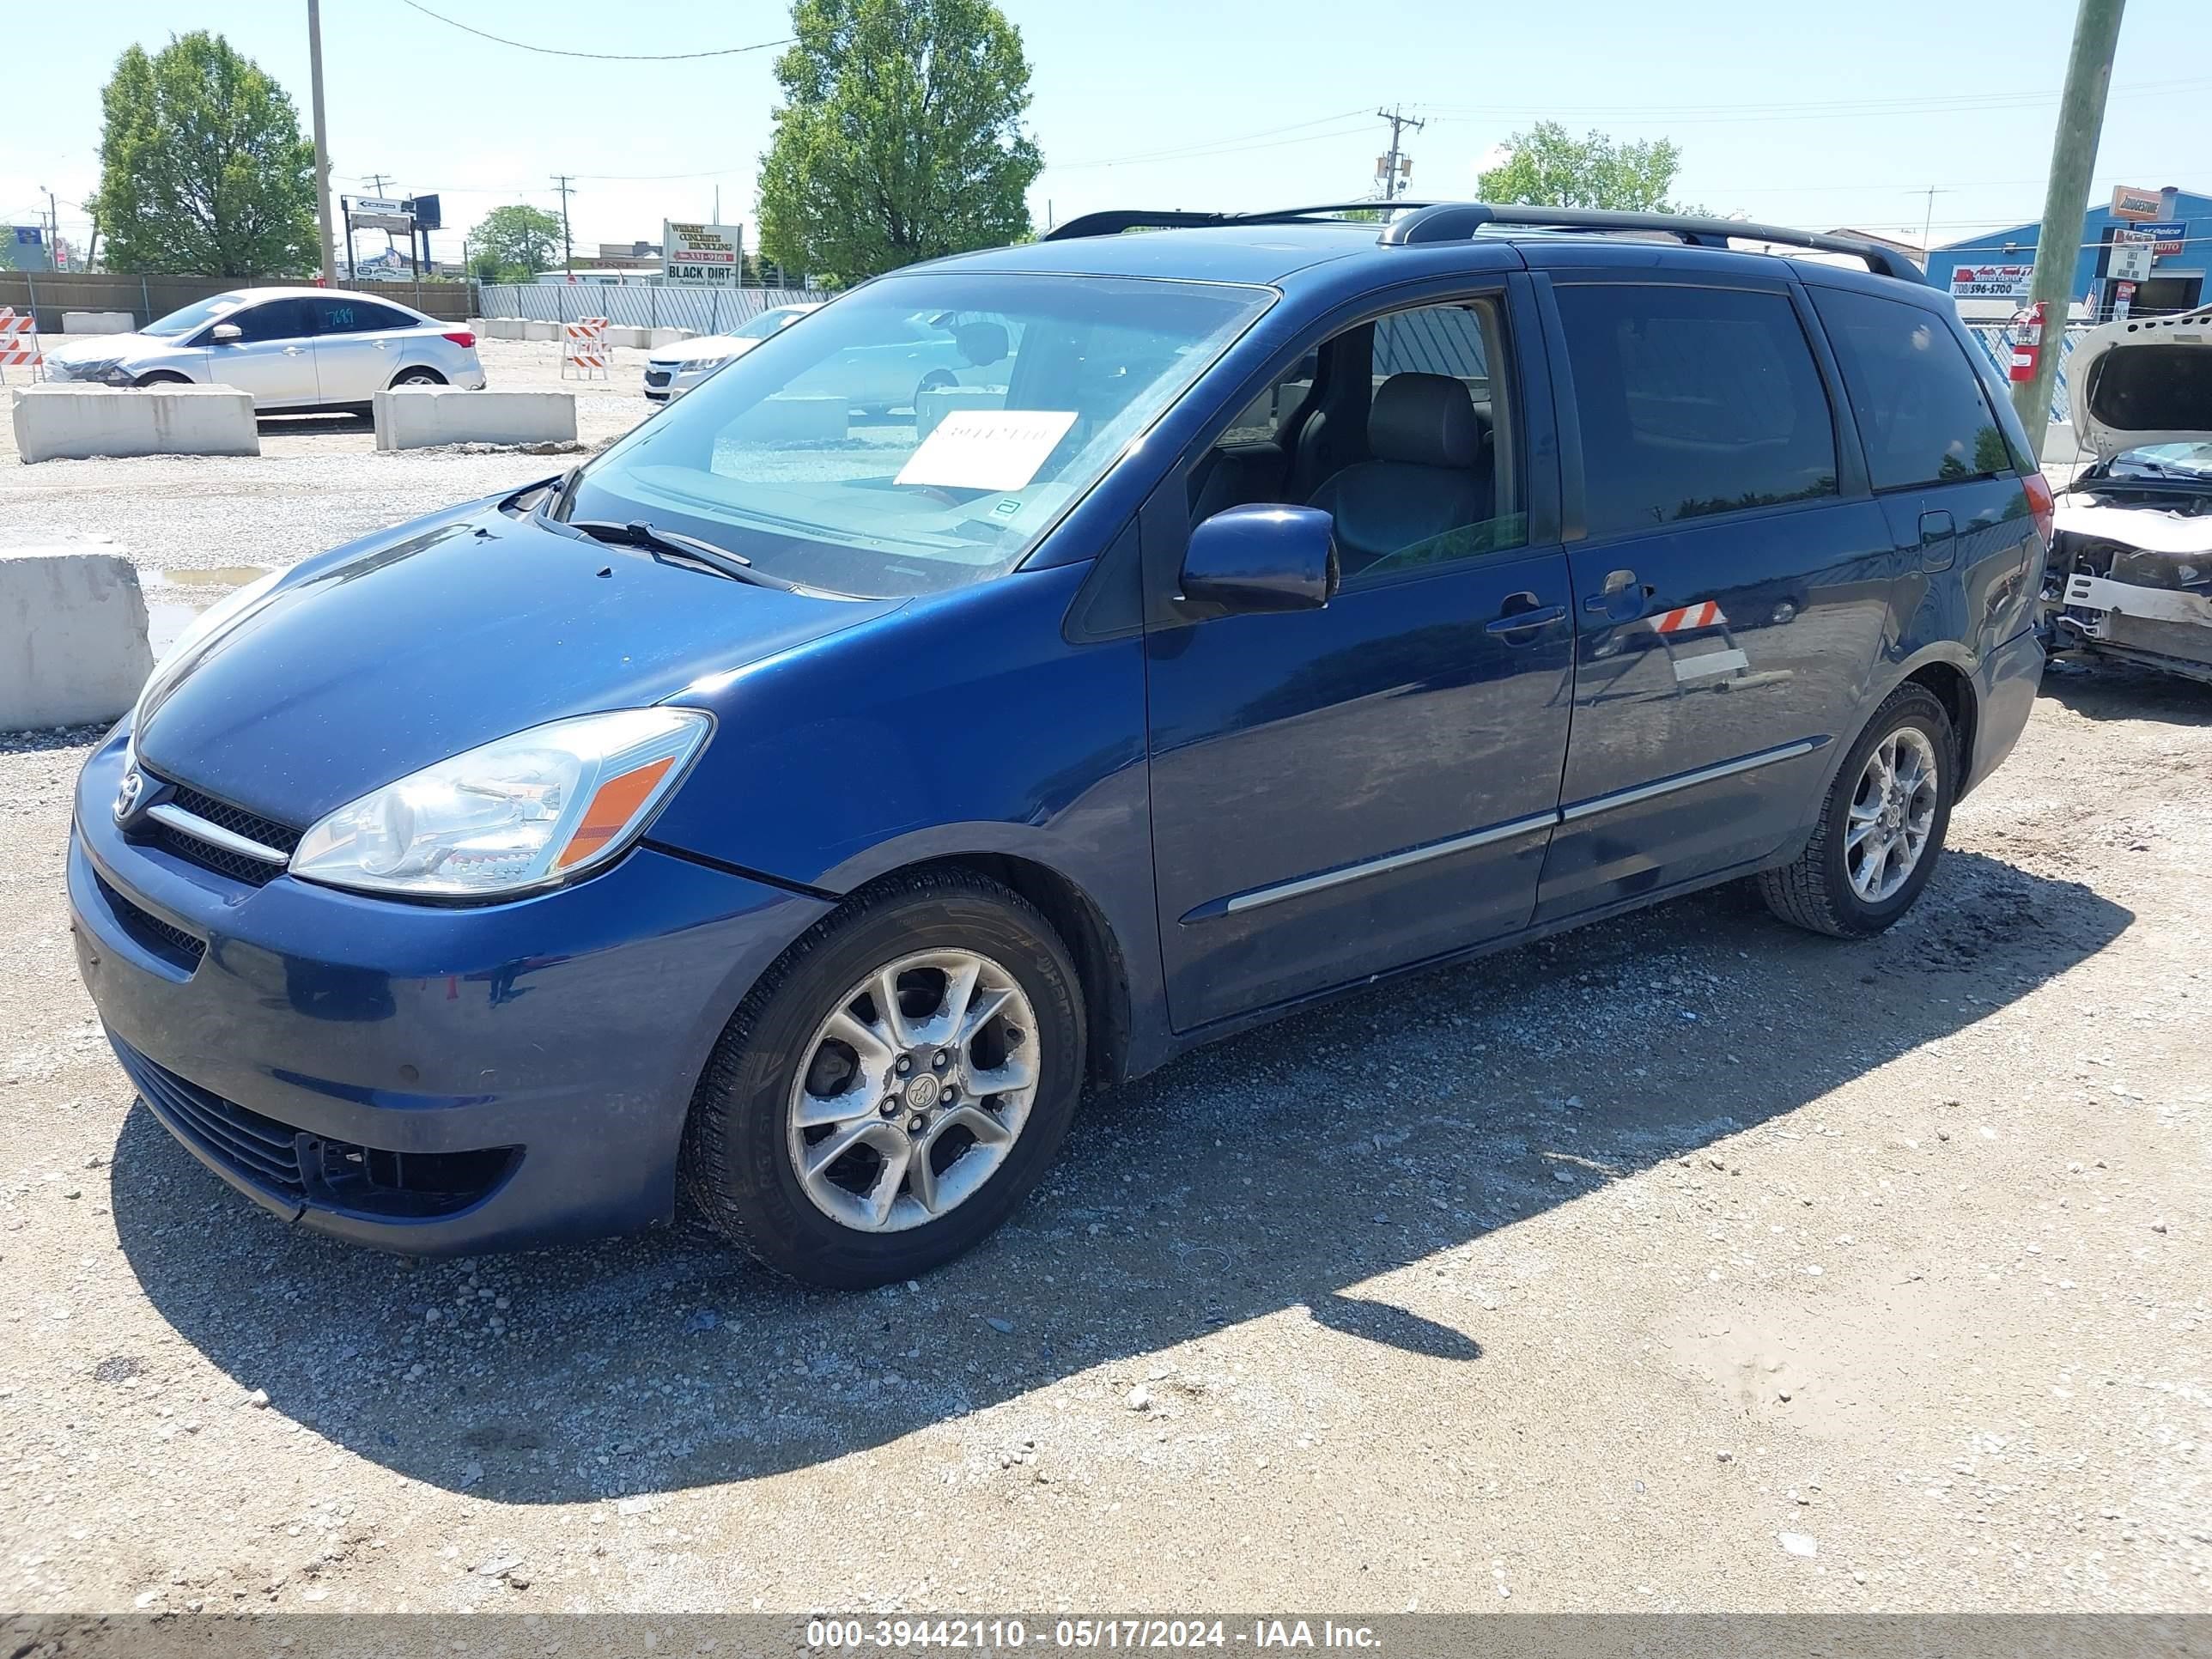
(893, 1086)
(417, 377)
(1882, 827)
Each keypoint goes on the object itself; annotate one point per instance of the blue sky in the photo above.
(1819, 115)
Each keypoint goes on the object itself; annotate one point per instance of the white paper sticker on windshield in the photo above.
(986, 448)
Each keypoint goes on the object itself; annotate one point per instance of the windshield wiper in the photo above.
(720, 560)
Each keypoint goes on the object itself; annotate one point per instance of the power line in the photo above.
(602, 57)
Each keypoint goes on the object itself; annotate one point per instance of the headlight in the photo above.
(110, 374)
(217, 619)
(525, 811)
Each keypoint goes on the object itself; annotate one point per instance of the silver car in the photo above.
(674, 370)
(292, 349)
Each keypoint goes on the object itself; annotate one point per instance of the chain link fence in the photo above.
(1995, 340)
(639, 305)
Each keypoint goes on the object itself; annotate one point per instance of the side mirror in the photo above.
(981, 344)
(1263, 558)
(227, 334)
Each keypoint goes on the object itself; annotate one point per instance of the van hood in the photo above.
(2143, 380)
(371, 662)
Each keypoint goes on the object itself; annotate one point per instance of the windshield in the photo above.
(922, 432)
(199, 312)
(2181, 460)
(768, 323)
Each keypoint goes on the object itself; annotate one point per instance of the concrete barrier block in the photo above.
(98, 322)
(503, 328)
(531, 331)
(624, 335)
(72, 637)
(934, 405)
(76, 422)
(791, 419)
(2060, 444)
(661, 337)
(423, 417)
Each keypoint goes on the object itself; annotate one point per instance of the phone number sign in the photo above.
(709, 254)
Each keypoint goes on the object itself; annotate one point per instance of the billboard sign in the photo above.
(708, 254)
(1991, 282)
(2128, 202)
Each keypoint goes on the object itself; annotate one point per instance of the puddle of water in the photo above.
(173, 597)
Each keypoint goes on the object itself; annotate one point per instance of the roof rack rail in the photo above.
(1451, 222)
(1113, 221)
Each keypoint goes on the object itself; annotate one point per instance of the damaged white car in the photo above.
(2131, 569)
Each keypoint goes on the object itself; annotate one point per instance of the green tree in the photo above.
(202, 166)
(512, 244)
(1549, 167)
(899, 137)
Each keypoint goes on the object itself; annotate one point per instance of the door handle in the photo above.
(382, 344)
(1938, 540)
(1623, 598)
(294, 351)
(1522, 616)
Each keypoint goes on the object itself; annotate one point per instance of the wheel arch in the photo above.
(1952, 687)
(406, 369)
(1100, 967)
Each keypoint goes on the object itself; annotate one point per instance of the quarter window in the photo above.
(1692, 401)
(1921, 410)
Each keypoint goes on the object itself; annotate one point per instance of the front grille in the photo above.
(260, 1149)
(165, 940)
(239, 866)
(304, 1168)
(658, 377)
(278, 838)
(254, 872)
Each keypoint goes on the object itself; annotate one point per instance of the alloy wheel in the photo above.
(913, 1091)
(1892, 814)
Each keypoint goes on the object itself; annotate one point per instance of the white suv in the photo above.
(292, 349)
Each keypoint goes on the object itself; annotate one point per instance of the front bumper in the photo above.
(530, 1061)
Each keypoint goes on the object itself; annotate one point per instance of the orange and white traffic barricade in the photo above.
(19, 344)
(584, 349)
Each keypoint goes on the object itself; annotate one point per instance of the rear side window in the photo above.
(1921, 409)
(338, 315)
(1692, 401)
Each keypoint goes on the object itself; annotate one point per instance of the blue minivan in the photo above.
(796, 806)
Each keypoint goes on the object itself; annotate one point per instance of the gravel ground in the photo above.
(1684, 1262)
(317, 482)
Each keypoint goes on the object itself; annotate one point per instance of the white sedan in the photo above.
(674, 370)
(292, 349)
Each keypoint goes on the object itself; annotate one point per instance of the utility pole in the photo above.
(562, 182)
(1927, 225)
(2066, 197)
(1399, 122)
(53, 231)
(322, 142)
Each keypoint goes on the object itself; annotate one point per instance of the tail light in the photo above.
(2042, 503)
(461, 336)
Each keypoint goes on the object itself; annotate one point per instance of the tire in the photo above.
(1817, 892)
(936, 380)
(741, 1147)
(418, 377)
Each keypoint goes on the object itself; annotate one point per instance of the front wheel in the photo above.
(893, 1087)
(1882, 827)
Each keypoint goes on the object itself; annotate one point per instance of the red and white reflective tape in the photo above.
(19, 339)
(1704, 614)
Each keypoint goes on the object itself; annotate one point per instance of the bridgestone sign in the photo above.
(707, 254)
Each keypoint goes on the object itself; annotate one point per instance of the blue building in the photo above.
(1985, 273)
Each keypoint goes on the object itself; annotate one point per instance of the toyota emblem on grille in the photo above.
(127, 798)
